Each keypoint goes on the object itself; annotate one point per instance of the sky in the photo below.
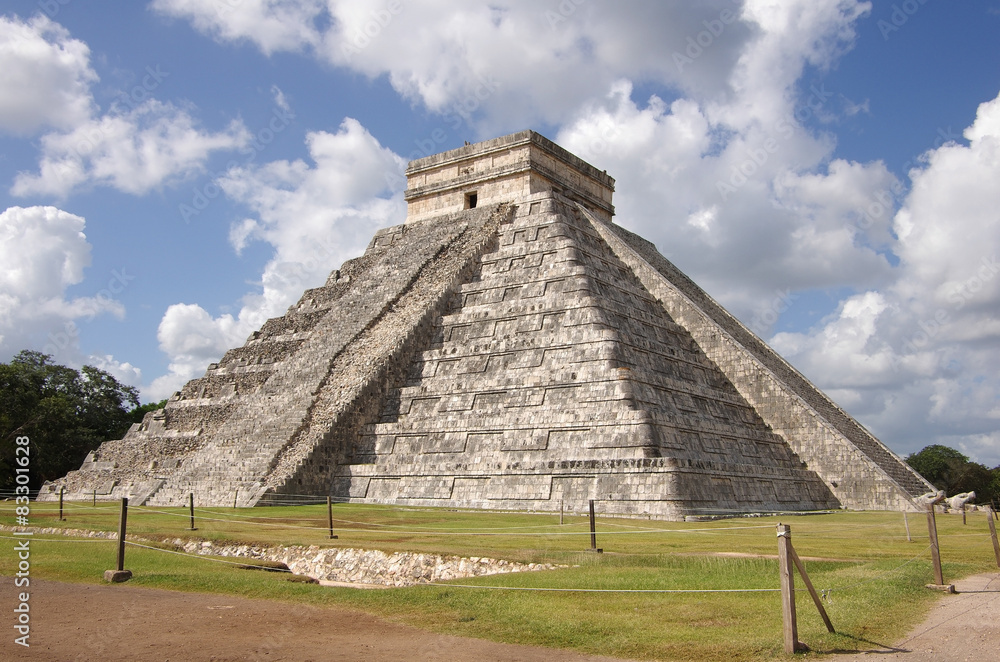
(173, 173)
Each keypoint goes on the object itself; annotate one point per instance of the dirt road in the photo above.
(962, 628)
(112, 623)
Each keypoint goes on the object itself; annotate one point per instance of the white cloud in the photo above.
(273, 25)
(746, 213)
(44, 251)
(45, 76)
(192, 339)
(314, 215)
(507, 64)
(931, 343)
(134, 152)
(123, 371)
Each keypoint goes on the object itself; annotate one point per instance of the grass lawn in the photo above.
(877, 577)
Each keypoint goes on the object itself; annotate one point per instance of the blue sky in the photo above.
(175, 172)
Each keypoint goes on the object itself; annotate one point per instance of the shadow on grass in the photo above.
(866, 646)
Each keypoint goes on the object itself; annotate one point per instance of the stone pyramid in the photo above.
(508, 347)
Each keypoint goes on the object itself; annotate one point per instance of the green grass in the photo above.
(875, 597)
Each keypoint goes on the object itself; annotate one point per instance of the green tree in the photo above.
(66, 413)
(952, 471)
(936, 463)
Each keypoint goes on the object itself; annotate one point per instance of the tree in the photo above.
(952, 471)
(936, 462)
(64, 412)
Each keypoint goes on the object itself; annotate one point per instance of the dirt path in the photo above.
(962, 627)
(112, 623)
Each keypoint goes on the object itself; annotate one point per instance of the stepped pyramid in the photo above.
(507, 347)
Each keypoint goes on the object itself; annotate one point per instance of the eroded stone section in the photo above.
(222, 435)
(358, 379)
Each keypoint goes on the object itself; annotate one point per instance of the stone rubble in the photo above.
(347, 565)
(366, 566)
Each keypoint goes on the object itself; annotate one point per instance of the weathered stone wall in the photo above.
(555, 379)
(861, 472)
(224, 436)
(378, 359)
(504, 169)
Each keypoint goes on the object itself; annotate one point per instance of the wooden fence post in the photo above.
(62, 490)
(121, 574)
(790, 630)
(936, 553)
(993, 534)
(191, 506)
(593, 531)
(907, 525)
(812, 591)
(329, 515)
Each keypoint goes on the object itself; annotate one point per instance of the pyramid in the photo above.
(507, 347)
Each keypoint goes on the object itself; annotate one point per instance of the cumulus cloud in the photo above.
(45, 76)
(44, 251)
(468, 61)
(192, 339)
(123, 371)
(315, 215)
(929, 339)
(747, 213)
(272, 25)
(134, 152)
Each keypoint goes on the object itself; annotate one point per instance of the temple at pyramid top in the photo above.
(504, 169)
(507, 347)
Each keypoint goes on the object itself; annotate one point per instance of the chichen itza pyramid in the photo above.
(507, 347)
